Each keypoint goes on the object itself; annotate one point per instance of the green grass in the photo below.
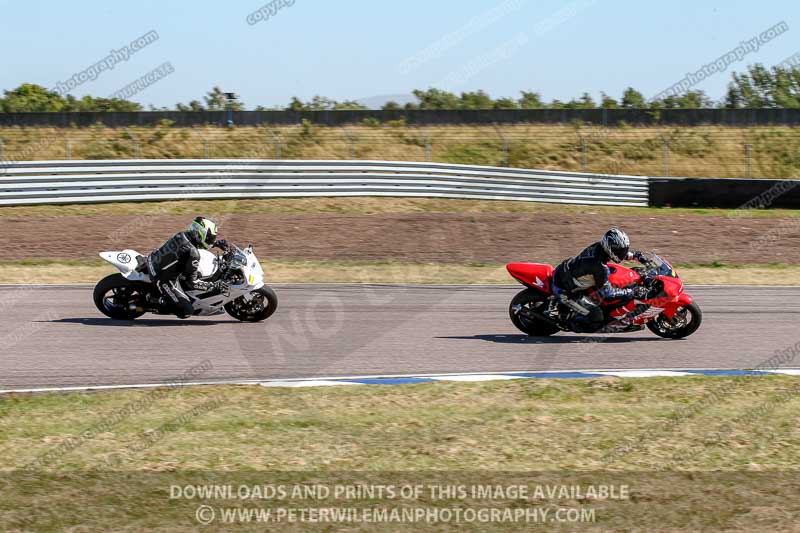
(735, 472)
(444, 426)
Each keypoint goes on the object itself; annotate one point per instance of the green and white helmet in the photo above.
(203, 231)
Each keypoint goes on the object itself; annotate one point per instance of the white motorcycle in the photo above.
(131, 293)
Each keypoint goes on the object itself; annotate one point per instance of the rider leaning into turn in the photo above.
(589, 269)
(177, 262)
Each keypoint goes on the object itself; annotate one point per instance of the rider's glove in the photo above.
(638, 256)
(640, 292)
(222, 286)
(222, 244)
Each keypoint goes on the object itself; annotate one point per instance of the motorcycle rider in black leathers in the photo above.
(176, 263)
(588, 269)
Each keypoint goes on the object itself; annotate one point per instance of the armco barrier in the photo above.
(61, 182)
(724, 193)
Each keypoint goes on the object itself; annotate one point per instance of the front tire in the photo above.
(685, 322)
(113, 295)
(525, 301)
(261, 307)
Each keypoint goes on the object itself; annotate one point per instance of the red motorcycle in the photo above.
(666, 310)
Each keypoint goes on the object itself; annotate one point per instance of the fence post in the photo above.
(277, 141)
(504, 161)
(427, 147)
(664, 157)
(134, 141)
(2, 150)
(747, 172)
(583, 153)
(351, 143)
(68, 150)
(205, 148)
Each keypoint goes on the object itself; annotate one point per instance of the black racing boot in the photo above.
(552, 308)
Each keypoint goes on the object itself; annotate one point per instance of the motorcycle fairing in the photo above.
(209, 303)
(126, 261)
(683, 300)
(534, 275)
(208, 264)
(620, 276)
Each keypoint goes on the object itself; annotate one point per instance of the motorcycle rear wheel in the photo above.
(261, 307)
(113, 295)
(530, 299)
(685, 322)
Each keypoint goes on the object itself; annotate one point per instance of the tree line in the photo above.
(757, 87)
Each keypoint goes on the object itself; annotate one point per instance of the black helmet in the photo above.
(616, 244)
(203, 231)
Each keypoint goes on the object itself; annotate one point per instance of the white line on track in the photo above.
(454, 376)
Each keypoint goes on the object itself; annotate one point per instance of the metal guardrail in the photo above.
(62, 182)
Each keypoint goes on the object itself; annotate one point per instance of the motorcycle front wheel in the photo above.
(520, 313)
(113, 296)
(685, 322)
(262, 305)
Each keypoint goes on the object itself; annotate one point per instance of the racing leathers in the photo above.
(585, 270)
(174, 264)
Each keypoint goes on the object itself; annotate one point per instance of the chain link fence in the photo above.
(698, 151)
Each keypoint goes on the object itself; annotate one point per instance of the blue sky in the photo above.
(351, 49)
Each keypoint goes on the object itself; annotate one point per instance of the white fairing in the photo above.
(208, 264)
(126, 262)
(253, 271)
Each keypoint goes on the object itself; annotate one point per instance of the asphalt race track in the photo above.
(54, 337)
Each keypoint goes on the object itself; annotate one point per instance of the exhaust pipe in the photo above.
(543, 318)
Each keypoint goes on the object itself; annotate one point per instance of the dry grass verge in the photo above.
(363, 206)
(100, 470)
(704, 151)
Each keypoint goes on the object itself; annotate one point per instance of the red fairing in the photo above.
(682, 300)
(685, 299)
(621, 276)
(536, 275)
(672, 286)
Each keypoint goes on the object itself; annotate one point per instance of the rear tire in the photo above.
(530, 299)
(688, 318)
(112, 296)
(261, 307)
